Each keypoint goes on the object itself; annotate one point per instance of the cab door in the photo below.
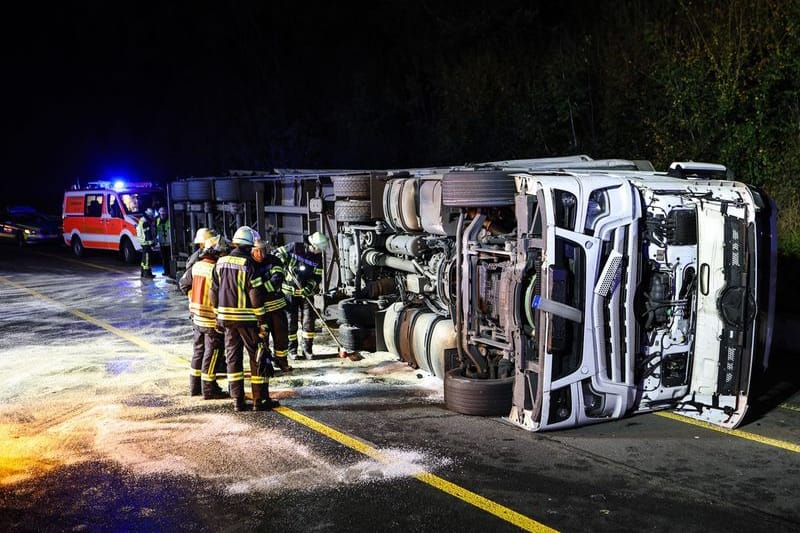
(113, 220)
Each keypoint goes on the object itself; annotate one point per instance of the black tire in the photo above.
(352, 210)
(350, 336)
(127, 252)
(354, 187)
(357, 312)
(77, 246)
(478, 189)
(477, 397)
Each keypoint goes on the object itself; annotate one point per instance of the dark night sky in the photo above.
(159, 90)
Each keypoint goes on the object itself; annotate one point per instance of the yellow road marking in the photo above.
(78, 262)
(152, 348)
(465, 495)
(476, 500)
(790, 446)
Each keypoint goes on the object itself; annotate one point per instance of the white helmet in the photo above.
(202, 235)
(149, 213)
(318, 239)
(258, 243)
(243, 236)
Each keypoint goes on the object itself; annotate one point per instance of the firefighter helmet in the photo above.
(202, 235)
(260, 244)
(244, 236)
(149, 213)
(318, 239)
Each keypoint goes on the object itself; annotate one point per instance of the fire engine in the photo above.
(103, 216)
(557, 292)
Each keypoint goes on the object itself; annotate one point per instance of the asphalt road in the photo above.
(98, 433)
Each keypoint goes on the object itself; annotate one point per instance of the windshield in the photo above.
(136, 202)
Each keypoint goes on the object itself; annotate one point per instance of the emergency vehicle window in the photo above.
(94, 205)
(131, 202)
(113, 207)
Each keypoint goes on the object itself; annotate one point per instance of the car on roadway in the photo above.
(24, 225)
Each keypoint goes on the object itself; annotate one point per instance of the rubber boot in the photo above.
(308, 348)
(147, 273)
(265, 403)
(212, 391)
(237, 393)
(282, 363)
(194, 386)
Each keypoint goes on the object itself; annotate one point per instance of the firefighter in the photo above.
(302, 264)
(146, 233)
(237, 294)
(164, 240)
(208, 342)
(270, 268)
(200, 237)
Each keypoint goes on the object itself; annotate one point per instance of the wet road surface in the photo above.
(98, 433)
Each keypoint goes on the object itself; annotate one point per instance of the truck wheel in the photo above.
(478, 189)
(352, 210)
(353, 187)
(77, 246)
(127, 252)
(357, 312)
(478, 397)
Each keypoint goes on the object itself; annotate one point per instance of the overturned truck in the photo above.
(555, 292)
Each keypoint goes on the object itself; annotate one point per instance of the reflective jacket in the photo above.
(162, 231)
(237, 291)
(303, 269)
(272, 275)
(145, 232)
(197, 282)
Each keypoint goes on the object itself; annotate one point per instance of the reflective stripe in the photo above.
(307, 334)
(211, 375)
(237, 376)
(257, 380)
(274, 305)
(195, 372)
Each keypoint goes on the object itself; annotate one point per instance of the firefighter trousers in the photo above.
(207, 355)
(299, 307)
(238, 339)
(277, 325)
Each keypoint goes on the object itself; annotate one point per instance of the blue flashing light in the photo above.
(119, 184)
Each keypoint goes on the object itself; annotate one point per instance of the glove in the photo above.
(263, 357)
(298, 292)
(263, 332)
